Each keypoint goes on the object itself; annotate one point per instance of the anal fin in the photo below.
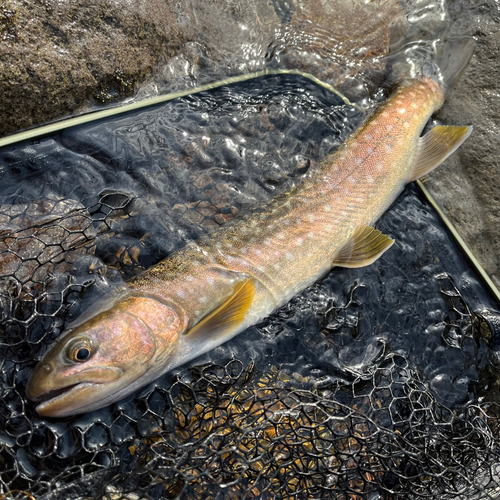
(229, 315)
(367, 245)
(435, 146)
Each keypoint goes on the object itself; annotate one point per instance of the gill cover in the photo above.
(104, 358)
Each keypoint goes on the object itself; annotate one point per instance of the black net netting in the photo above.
(375, 383)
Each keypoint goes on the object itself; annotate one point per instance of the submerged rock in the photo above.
(40, 239)
(466, 185)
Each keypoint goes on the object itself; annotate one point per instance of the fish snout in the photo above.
(40, 382)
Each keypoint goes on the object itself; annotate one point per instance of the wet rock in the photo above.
(466, 186)
(59, 58)
(40, 239)
(203, 181)
(209, 223)
(222, 218)
(179, 209)
(206, 209)
(193, 216)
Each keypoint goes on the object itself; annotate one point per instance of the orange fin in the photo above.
(435, 146)
(228, 315)
(367, 245)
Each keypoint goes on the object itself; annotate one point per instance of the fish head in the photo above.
(104, 358)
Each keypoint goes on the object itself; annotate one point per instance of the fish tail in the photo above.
(443, 61)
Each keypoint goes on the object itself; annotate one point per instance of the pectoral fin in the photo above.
(435, 146)
(228, 315)
(367, 245)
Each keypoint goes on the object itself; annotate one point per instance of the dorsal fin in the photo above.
(435, 146)
(366, 246)
(229, 315)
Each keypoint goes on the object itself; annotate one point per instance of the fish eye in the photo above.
(79, 352)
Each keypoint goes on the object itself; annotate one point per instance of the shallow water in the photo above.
(378, 382)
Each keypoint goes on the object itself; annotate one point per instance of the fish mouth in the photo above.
(48, 399)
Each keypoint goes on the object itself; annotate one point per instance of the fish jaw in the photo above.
(59, 401)
(120, 346)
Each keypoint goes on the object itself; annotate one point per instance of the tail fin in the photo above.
(443, 60)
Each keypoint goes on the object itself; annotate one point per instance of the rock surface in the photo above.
(59, 58)
(467, 185)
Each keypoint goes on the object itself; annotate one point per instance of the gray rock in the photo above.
(467, 185)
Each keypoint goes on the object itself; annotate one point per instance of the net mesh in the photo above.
(377, 383)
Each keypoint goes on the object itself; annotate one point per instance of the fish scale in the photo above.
(214, 288)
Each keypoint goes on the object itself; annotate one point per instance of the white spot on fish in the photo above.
(181, 294)
(268, 242)
(203, 299)
(369, 178)
(311, 217)
(368, 137)
(359, 161)
(390, 128)
(406, 125)
(281, 236)
(299, 241)
(379, 167)
(343, 213)
(414, 105)
(352, 179)
(370, 151)
(402, 111)
(277, 266)
(210, 280)
(360, 199)
(289, 256)
(388, 148)
(189, 278)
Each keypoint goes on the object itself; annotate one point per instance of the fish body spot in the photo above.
(402, 111)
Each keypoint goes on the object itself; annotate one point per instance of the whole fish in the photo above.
(214, 288)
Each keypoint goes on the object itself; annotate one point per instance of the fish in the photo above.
(217, 286)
